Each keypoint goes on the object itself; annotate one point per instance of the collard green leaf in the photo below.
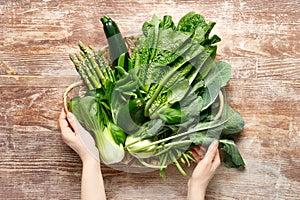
(177, 91)
(201, 65)
(234, 125)
(229, 118)
(233, 158)
(201, 138)
(222, 72)
(217, 78)
(232, 121)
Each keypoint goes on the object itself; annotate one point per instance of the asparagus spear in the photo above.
(82, 73)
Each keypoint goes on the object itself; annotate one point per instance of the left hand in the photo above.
(70, 134)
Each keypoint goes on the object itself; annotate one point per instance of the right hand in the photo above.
(204, 171)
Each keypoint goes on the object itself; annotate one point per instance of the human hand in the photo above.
(204, 171)
(92, 186)
(70, 134)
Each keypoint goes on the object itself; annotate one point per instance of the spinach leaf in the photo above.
(172, 115)
(195, 23)
(190, 22)
(167, 23)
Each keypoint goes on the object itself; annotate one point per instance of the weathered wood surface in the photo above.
(259, 38)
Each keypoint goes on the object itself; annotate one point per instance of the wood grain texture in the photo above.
(260, 39)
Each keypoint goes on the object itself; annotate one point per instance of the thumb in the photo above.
(73, 121)
(212, 150)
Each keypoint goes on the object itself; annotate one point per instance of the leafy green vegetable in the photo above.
(171, 115)
(195, 23)
(217, 78)
(233, 157)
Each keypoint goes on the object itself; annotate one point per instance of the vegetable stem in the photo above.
(172, 144)
(174, 160)
(102, 64)
(181, 134)
(152, 166)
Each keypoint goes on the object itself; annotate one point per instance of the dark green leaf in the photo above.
(233, 158)
(201, 138)
(171, 115)
(117, 133)
(167, 23)
(190, 22)
(154, 126)
(217, 78)
(233, 122)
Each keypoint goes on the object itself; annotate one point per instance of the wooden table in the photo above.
(260, 39)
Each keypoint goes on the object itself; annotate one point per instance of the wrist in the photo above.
(89, 160)
(198, 184)
(196, 191)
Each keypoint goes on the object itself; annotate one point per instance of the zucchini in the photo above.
(115, 41)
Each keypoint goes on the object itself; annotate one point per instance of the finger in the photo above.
(62, 121)
(200, 150)
(211, 146)
(73, 121)
(66, 131)
(195, 155)
(211, 152)
(203, 149)
(197, 149)
(217, 161)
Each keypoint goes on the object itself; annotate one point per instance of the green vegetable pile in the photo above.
(160, 100)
